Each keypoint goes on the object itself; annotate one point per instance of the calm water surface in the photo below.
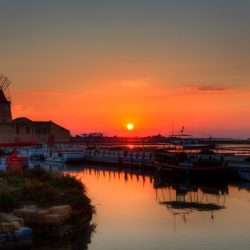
(136, 211)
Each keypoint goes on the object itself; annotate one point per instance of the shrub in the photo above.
(42, 188)
(38, 173)
(77, 200)
(16, 181)
(67, 182)
(39, 192)
(7, 202)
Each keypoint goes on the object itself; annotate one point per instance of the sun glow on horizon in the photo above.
(130, 126)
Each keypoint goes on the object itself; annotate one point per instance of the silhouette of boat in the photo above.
(205, 164)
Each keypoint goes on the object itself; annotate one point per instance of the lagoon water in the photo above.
(137, 211)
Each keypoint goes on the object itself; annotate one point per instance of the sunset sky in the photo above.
(96, 65)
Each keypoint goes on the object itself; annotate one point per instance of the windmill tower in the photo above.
(5, 103)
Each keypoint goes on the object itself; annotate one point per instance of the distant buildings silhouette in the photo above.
(25, 131)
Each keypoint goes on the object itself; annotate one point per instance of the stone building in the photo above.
(24, 130)
(5, 108)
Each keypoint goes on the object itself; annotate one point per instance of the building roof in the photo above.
(38, 123)
(3, 98)
(49, 123)
(22, 120)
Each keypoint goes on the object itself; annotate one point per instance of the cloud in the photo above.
(211, 88)
(202, 87)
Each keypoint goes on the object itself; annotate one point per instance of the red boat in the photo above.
(15, 162)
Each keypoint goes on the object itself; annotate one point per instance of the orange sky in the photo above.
(161, 65)
(153, 109)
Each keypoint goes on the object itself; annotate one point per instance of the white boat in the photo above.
(119, 156)
(32, 153)
(49, 166)
(65, 156)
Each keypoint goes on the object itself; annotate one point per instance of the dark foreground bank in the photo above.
(42, 209)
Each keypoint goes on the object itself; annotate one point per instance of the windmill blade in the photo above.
(4, 82)
(7, 84)
(1, 80)
(4, 86)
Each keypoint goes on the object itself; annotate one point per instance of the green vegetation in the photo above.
(7, 201)
(54, 205)
(44, 189)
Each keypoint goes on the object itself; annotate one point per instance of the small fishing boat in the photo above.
(188, 142)
(16, 162)
(205, 164)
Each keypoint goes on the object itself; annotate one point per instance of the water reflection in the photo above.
(111, 174)
(180, 198)
(183, 198)
(138, 210)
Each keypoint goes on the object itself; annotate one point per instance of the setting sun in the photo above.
(130, 126)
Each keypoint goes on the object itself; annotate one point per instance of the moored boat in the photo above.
(65, 156)
(205, 164)
(120, 156)
(16, 162)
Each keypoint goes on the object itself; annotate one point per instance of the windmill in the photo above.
(4, 86)
(5, 103)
